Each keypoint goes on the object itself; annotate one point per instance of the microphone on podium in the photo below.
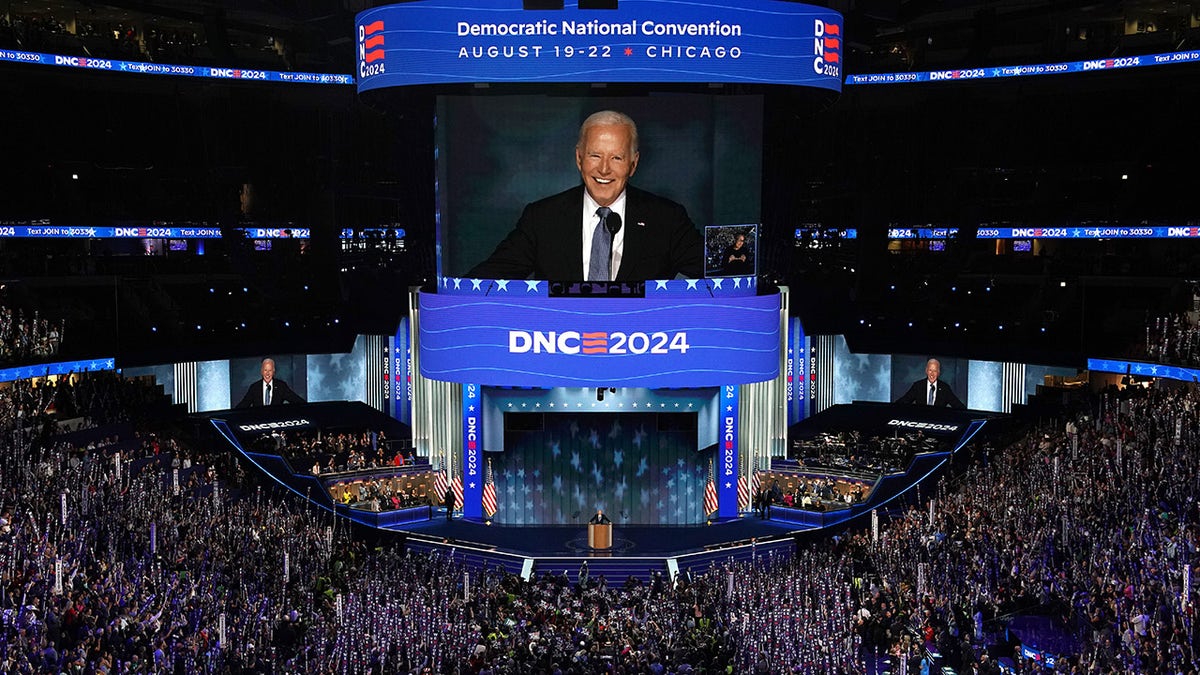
(613, 224)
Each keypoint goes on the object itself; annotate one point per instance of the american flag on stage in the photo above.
(747, 490)
(489, 492)
(458, 492)
(440, 484)
(710, 491)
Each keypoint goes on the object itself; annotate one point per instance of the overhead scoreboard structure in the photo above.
(468, 344)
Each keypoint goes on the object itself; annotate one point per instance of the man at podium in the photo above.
(600, 518)
(600, 531)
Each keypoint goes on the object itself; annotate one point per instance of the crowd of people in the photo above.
(848, 452)
(27, 337)
(1091, 523)
(1174, 339)
(331, 453)
(385, 493)
(118, 556)
(818, 493)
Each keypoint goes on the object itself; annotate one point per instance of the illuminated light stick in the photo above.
(932, 506)
(63, 502)
(154, 537)
(1187, 588)
(874, 526)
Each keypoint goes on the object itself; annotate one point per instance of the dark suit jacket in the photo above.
(918, 394)
(660, 241)
(280, 394)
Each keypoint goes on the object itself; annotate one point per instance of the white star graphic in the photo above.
(531, 286)
(457, 284)
(728, 408)
(728, 485)
(737, 282)
(660, 285)
(471, 485)
(502, 285)
(475, 284)
(691, 284)
(470, 408)
(717, 283)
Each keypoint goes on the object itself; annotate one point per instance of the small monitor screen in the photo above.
(1022, 245)
(730, 250)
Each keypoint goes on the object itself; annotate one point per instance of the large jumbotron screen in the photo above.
(495, 154)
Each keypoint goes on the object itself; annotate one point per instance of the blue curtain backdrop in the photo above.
(619, 462)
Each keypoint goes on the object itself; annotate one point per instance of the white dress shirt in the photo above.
(589, 220)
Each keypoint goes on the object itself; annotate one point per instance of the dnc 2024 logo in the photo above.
(370, 49)
(596, 342)
(827, 48)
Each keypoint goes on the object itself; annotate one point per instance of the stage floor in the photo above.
(628, 540)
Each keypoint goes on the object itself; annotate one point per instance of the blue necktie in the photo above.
(932, 389)
(598, 265)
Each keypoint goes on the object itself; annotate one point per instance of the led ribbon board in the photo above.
(144, 68)
(1188, 231)
(651, 342)
(663, 41)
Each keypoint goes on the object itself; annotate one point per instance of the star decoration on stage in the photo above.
(475, 284)
(502, 285)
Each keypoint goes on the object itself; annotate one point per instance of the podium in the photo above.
(600, 536)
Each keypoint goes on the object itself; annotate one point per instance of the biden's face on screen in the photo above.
(606, 160)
